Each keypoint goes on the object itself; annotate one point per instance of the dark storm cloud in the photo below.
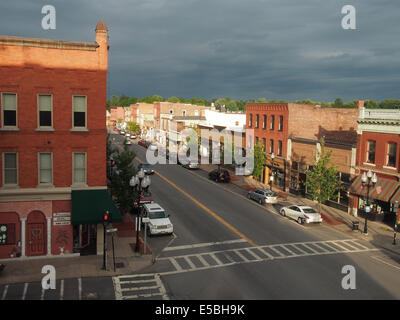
(277, 49)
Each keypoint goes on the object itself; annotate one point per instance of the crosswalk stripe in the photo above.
(190, 263)
(310, 248)
(25, 290)
(202, 260)
(175, 264)
(241, 256)
(276, 250)
(330, 246)
(320, 247)
(139, 288)
(338, 245)
(266, 253)
(288, 250)
(253, 254)
(354, 245)
(80, 288)
(62, 290)
(219, 262)
(200, 245)
(4, 292)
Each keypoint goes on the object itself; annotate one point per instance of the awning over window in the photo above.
(88, 206)
(383, 189)
(396, 196)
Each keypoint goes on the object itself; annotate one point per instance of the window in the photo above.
(45, 106)
(264, 144)
(264, 121)
(257, 120)
(371, 151)
(10, 168)
(271, 146)
(272, 123)
(279, 148)
(7, 234)
(256, 140)
(196, 112)
(9, 107)
(184, 113)
(280, 128)
(250, 120)
(79, 111)
(45, 168)
(391, 154)
(79, 170)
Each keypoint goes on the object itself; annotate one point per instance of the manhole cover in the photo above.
(119, 265)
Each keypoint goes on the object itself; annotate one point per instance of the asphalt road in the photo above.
(223, 248)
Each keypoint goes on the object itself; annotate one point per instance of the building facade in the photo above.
(378, 151)
(52, 143)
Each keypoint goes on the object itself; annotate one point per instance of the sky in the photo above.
(274, 49)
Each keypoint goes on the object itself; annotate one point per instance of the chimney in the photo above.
(360, 103)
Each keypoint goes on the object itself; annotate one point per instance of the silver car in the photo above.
(263, 196)
(302, 214)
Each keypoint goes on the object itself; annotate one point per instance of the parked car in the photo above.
(191, 165)
(127, 134)
(159, 222)
(127, 141)
(263, 196)
(122, 132)
(133, 136)
(219, 175)
(142, 143)
(115, 129)
(147, 168)
(302, 214)
(145, 198)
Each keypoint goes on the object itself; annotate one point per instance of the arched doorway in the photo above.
(36, 234)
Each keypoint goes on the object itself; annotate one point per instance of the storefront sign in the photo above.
(61, 218)
(3, 234)
(367, 209)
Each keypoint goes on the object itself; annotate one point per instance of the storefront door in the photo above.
(36, 234)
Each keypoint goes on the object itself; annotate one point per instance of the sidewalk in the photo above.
(127, 261)
(379, 234)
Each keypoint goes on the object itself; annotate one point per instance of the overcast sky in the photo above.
(276, 49)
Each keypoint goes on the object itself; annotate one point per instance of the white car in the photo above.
(127, 134)
(133, 136)
(127, 141)
(159, 222)
(302, 214)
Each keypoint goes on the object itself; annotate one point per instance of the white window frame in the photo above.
(73, 124)
(52, 177)
(73, 169)
(387, 155)
(3, 170)
(38, 111)
(16, 110)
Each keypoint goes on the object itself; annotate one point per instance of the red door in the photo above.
(36, 234)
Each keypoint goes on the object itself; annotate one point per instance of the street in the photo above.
(228, 247)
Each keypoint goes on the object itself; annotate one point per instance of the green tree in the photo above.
(323, 179)
(133, 127)
(120, 177)
(338, 103)
(173, 99)
(259, 160)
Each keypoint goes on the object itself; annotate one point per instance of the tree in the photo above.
(133, 127)
(120, 177)
(173, 99)
(338, 103)
(259, 160)
(323, 179)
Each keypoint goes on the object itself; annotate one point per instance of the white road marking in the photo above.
(389, 264)
(253, 254)
(202, 260)
(219, 262)
(337, 244)
(190, 263)
(4, 292)
(241, 256)
(175, 264)
(62, 290)
(200, 245)
(25, 290)
(80, 288)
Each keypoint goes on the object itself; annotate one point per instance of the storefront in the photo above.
(88, 207)
(379, 198)
(274, 172)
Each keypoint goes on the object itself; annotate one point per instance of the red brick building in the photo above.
(52, 143)
(270, 125)
(378, 151)
(290, 135)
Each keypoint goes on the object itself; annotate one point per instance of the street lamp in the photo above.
(140, 181)
(368, 179)
(271, 178)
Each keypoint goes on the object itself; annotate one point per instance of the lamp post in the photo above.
(368, 179)
(271, 178)
(140, 181)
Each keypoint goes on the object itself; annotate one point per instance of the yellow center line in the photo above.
(213, 214)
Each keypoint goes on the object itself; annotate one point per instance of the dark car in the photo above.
(145, 197)
(142, 143)
(147, 168)
(219, 175)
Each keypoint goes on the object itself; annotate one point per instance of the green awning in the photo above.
(88, 206)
